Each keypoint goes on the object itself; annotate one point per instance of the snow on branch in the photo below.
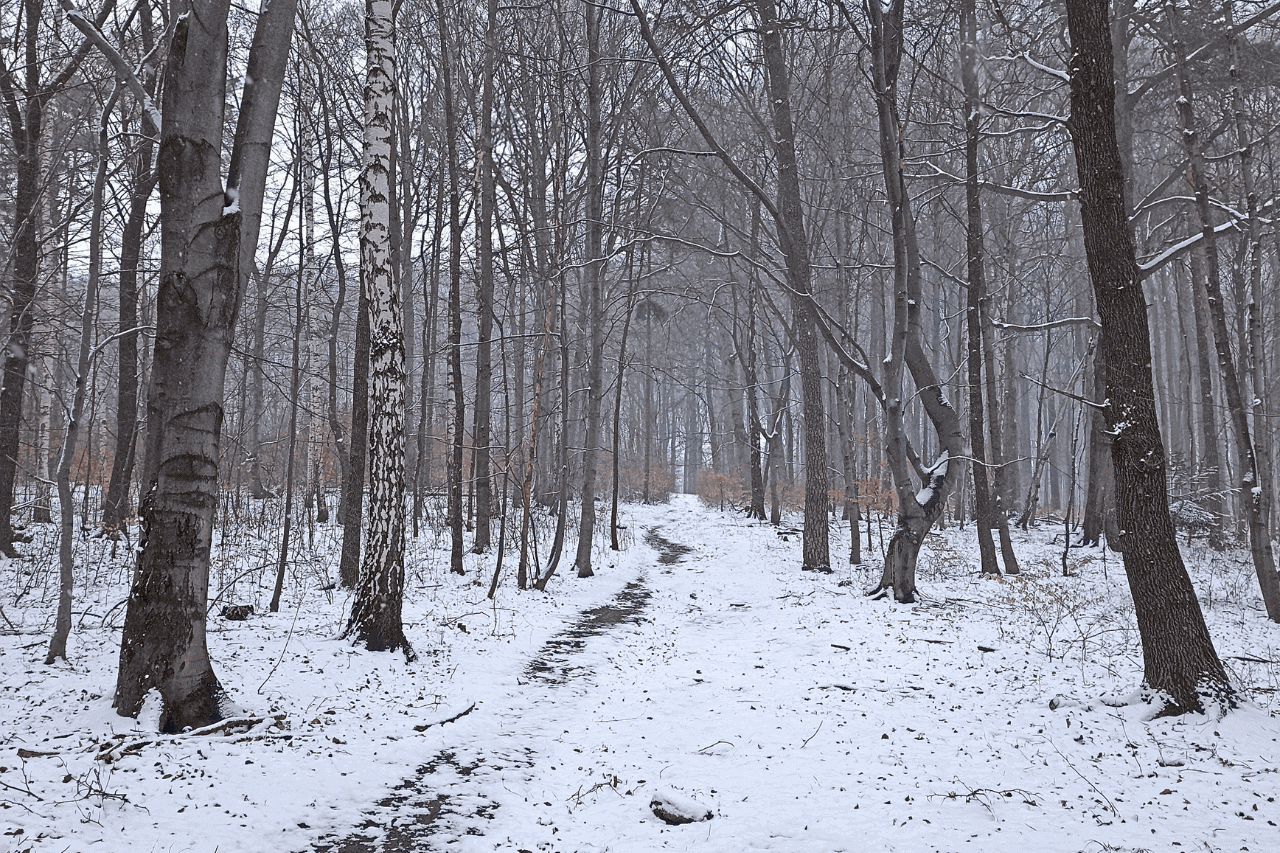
(1052, 324)
(1039, 66)
(1147, 267)
(1001, 189)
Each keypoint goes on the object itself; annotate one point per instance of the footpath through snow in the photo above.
(801, 715)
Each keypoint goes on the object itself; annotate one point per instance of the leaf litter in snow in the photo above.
(803, 715)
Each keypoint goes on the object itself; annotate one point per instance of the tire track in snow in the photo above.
(427, 805)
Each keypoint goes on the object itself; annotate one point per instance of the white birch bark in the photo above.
(375, 614)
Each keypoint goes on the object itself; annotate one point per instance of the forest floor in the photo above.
(721, 680)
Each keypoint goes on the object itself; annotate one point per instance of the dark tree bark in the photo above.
(594, 283)
(617, 402)
(353, 499)
(974, 250)
(482, 428)
(25, 97)
(349, 455)
(1179, 658)
(794, 243)
(457, 416)
(1099, 508)
(1255, 491)
(115, 505)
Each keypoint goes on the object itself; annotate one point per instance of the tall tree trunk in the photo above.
(481, 429)
(617, 401)
(1255, 492)
(985, 512)
(794, 243)
(301, 298)
(62, 624)
(1179, 657)
(350, 488)
(1099, 508)
(562, 449)
(116, 503)
(1257, 343)
(430, 311)
(375, 620)
(594, 283)
(1213, 466)
(457, 417)
(209, 234)
(917, 510)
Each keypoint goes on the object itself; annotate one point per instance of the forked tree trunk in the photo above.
(1179, 658)
(375, 620)
(208, 238)
(917, 510)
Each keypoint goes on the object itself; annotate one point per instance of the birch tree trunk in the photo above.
(457, 416)
(375, 620)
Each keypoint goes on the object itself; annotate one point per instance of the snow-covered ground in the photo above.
(800, 714)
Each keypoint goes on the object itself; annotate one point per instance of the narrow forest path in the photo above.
(438, 798)
(804, 717)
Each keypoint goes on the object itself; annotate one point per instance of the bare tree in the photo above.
(209, 233)
(1179, 657)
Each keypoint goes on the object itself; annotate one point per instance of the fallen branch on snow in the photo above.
(232, 729)
(457, 716)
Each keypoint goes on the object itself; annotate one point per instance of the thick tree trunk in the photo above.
(22, 291)
(208, 238)
(1179, 657)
